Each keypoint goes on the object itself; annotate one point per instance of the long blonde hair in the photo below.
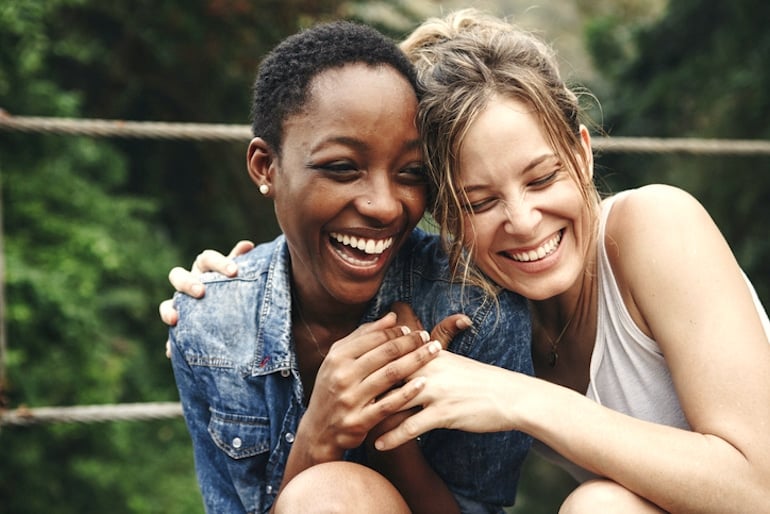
(463, 60)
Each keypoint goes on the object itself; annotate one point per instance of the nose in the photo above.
(380, 200)
(521, 217)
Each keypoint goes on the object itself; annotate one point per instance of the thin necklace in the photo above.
(307, 327)
(553, 354)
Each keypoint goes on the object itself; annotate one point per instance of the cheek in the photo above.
(479, 231)
(415, 202)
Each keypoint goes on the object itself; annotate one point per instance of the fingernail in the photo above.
(425, 336)
(405, 330)
(231, 269)
(434, 347)
(464, 323)
(379, 444)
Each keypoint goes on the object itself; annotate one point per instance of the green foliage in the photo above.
(543, 487)
(179, 61)
(85, 268)
(700, 72)
(80, 264)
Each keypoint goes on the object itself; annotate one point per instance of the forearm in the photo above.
(308, 451)
(679, 470)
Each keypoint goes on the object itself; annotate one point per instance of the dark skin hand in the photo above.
(405, 466)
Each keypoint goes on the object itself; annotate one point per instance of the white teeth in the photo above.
(368, 246)
(544, 250)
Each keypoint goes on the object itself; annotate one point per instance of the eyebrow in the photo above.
(534, 163)
(359, 144)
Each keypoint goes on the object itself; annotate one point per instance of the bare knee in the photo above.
(606, 496)
(339, 487)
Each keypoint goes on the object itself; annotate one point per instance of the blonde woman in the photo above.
(650, 346)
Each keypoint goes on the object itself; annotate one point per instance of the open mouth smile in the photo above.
(540, 252)
(370, 248)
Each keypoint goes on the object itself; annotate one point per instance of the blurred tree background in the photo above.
(91, 226)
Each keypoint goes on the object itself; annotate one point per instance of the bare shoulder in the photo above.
(660, 231)
(661, 243)
(654, 214)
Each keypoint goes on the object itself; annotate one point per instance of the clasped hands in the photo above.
(369, 382)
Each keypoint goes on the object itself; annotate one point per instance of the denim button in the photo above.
(289, 437)
(237, 442)
(285, 373)
(269, 489)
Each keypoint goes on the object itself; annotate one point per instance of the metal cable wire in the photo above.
(223, 132)
(24, 416)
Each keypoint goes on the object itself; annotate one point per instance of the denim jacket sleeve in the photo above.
(217, 488)
(235, 373)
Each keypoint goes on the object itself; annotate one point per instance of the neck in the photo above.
(578, 298)
(564, 332)
(323, 321)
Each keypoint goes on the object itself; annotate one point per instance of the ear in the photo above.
(261, 161)
(585, 143)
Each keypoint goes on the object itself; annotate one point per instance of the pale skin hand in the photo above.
(187, 282)
(717, 352)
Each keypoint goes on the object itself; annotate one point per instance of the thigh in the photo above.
(339, 487)
(607, 497)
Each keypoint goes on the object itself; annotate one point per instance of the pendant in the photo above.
(553, 358)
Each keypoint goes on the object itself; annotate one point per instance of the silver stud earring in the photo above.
(264, 189)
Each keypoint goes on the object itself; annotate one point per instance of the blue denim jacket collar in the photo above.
(274, 339)
(274, 335)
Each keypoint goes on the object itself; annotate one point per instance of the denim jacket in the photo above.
(237, 376)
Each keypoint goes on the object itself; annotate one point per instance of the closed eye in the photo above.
(337, 167)
(480, 205)
(546, 179)
(342, 171)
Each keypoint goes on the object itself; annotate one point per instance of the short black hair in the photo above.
(280, 89)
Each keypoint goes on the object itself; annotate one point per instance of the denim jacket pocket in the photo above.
(239, 436)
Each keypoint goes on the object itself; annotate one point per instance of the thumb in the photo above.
(448, 328)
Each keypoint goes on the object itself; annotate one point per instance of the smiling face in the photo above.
(349, 185)
(529, 225)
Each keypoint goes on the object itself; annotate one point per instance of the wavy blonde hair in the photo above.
(463, 60)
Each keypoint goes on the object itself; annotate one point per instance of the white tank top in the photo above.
(628, 372)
